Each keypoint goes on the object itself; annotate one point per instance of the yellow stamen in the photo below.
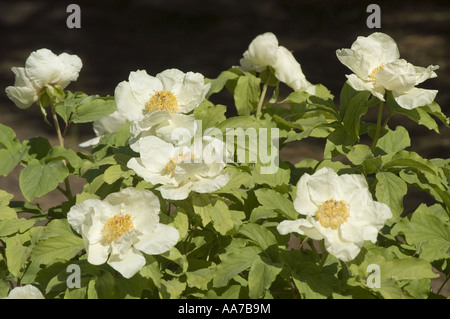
(116, 226)
(162, 100)
(332, 213)
(174, 161)
(374, 73)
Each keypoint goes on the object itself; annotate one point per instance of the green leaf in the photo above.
(57, 242)
(200, 278)
(271, 199)
(393, 141)
(172, 289)
(233, 263)
(202, 207)
(246, 94)
(426, 232)
(359, 154)
(261, 276)
(391, 189)
(94, 110)
(16, 255)
(61, 153)
(38, 179)
(209, 114)
(347, 93)
(62, 247)
(8, 161)
(281, 177)
(262, 237)
(357, 107)
(8, 139)
(221, 218)
(11, 226)
(405, 159)
(218, 83)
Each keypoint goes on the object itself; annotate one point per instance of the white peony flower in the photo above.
(25, 292)
(42, 68)
(181, 169)
(177, 129)
(264, 52)
(104, 126)
(338, 209)
(375, 61)
(117, 229)
(171, 90)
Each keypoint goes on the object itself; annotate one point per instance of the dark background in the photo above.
(119, 36)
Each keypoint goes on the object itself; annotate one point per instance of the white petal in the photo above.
(190, 92)
(414, 98)
(160, 240)
(361, 85)
(25, 292)
(170, 77)
(289, 71)
(302, 201)
(129, 265)
(389, 49)
(71, 68)
(22, 97)
(98, 253)
(43, 67)
(155, 153)
(175, 193)
(109, 124)
(262, 52)
(78, 213)
(300, 226)
(423, 74)
(342, 249)
(142, 205)
(143, 86)
(148, 175)
(398, 76)
(210, 185)
(127, 105)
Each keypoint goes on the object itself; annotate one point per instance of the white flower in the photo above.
(117, 229)
(181, 169)
(171, 90)
(264, 52)
(106, 125)
(375, 61)
(42, 68)
(25, 292)
(177, 129)
(338, 209)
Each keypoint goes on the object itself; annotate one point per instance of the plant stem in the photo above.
(261, 99)
(443, 284)
(68, 191)
(379, 127)
(57, 127)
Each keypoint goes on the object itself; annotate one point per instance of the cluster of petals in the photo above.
(134, 98)
(42, 68)
(120, 227)
(338, 209)
(375, 61)
(264, 52)
(172, 156)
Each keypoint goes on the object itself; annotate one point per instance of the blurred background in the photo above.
(119, 36)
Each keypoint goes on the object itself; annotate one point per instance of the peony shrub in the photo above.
(183, 200)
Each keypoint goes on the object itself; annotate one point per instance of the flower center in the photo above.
(162, 100)
(332, 213)
(374, 73)
(174, 161)
(116, 226)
